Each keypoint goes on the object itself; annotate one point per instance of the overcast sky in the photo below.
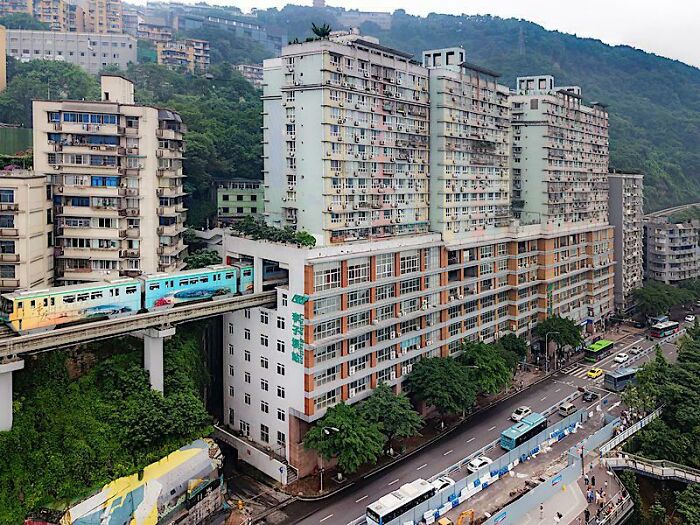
(668, 28)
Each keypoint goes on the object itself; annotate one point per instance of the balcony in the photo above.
(9, 257)
(172, 173)
(7, 284)
(171, 230)
(130, 254)
(129, 212)
(163, 133)
(9, 206)
(171, 250)
(130, 233)
(174, 191)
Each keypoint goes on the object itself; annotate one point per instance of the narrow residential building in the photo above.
(116, 173)
(189, 55)
(626, 208)
(672, 249)
(239, 198)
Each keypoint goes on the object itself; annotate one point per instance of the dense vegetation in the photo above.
(654, 102)
(70, 437)
(22, 21)
(656, 298)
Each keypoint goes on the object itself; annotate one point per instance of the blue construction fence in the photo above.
(430, 511)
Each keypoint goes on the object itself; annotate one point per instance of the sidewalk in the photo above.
(569, 502)
(613, 489)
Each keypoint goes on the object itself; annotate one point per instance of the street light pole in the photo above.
(546, 350)
(326, 431)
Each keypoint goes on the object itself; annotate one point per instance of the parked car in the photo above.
(566, 409)
(636, 350)
(478, 462)
(443, 482)
(589, 396)
(621, 357)
(639, 324)
(593, 373)
(690, 318)
(520, 413)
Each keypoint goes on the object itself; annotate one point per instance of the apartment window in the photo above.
(358, 298)
(264, 407)
(231, 417)
(246, 313)
(264, 385)
(358, 272)
(264, 340)
(246, 355)
(280, 392)
(246, 377)
(244, 427)
(230, 370)
(264, 433)
(327, 305)
(385, 265)
(280, 369)
(280, 346)
(264, 318)
(410, 263)
(280, 323)
(246, 398)
(281, 415)
(246, 334)
(264, 362)
(7, 196)
(410, 286)
(385, 292)
(7, 246)
(7, 221)
(230, 349)
(327, 329)
(284, 299)
(357, 320)
(281, 439)
(326, 276)
(325, 353)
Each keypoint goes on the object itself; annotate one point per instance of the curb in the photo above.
(427, 443)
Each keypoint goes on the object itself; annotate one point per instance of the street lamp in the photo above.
(546, 350)
(326, 431)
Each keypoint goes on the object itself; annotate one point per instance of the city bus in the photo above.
(664, 329)
(527, 428)
(598, 350)
(618, 379)
(396, 503)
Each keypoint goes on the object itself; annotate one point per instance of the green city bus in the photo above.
(598, 350)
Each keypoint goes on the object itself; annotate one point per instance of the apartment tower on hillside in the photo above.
(402, 173)
(116, 173)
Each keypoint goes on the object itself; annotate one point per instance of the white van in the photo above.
(566, 409)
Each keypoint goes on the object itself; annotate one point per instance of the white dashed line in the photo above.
(557, 390)
(448, 452)
(545, 397)
(327, 517)
(490, 429)
(395, 481)
(470, 440)
(422, 466)
(363, 497)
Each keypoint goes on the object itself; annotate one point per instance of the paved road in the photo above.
(485, 428)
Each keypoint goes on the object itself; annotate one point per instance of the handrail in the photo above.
(83, 333)
(622, 436)
(656, 467)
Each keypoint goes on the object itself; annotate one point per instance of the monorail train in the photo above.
(41, 310)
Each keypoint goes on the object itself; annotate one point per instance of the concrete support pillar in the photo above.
(6, 370)
(257, 275)
(153, 354)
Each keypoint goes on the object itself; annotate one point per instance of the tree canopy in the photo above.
(355, 442)
(202, 258)
(486, 367)
(393, 414)
(443, 383)
(564, 332)
(656, 298)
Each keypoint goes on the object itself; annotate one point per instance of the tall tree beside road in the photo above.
(564, 332)
(656, 298)
(392, 413)
(486, 367)
(355, 442)
(513, 343)
(443, 383)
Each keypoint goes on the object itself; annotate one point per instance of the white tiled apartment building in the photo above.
(402, 172)
(116, 173)
(672, 249)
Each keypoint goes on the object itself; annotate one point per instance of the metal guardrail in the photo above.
(12, 347)
(622, 436)
(658, 468)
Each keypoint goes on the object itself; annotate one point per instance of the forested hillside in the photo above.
(654, 102)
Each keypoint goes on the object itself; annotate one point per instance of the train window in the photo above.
(46, 301)
(154, 286)
(194, 281)
(32, 303)
(204, 279)
(116, 292)
(172, 283)
(96, 295)
(69, 298)
(83, 297)
(131, 289)
(184, 282)
(247, 272)
(53, 302)
(230, 275)
(19, 305)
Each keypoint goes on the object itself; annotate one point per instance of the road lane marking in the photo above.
(470, 440)
(363, 497)
(327, 517)
(545, 397)
(557, 390)
(395, 481)
(490, 429)
(422, 466)
(448, 452)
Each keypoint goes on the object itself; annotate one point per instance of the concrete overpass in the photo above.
(153, 327)
(672, 210)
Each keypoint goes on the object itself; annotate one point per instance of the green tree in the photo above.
(486, 367)
(657, 514)
(202, 258)
(514, 343)
(323, 31)
(355, 442)
(656, 298)
(562, 331)
(393, 414)
(22, 21)
(443, 383)
(688, 505)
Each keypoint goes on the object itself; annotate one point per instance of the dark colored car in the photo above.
(639, 324)
(590, 396)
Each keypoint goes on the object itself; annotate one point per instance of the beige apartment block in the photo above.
(116, 171)
(560, 155)
(190, 55)
(51, 12)
(9, 7)
(104, 16)
(26, 230)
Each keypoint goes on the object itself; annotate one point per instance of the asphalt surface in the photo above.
(469, 438)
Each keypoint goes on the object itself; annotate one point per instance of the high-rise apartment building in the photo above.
(9, 7)
(26, 230)
(625, 204)
(116, 170)
(190, 55)
(401, 171)
(253, 73)
(560, 154)
(104, 16)
(51, 12)
(672, 249)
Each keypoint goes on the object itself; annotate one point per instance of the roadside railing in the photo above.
(658, 468)
(622, 436)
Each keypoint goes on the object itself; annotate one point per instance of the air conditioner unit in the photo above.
(460, 296)
(376, 321)
(400, 314)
